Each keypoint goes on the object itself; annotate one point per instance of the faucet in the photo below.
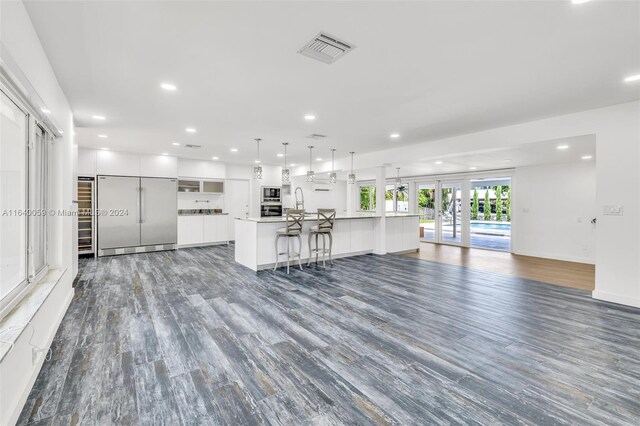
(299, 203)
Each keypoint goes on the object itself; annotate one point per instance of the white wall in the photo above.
(552, 210)
(17, 369)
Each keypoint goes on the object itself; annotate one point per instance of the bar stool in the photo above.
(324, 227)
(293, 230)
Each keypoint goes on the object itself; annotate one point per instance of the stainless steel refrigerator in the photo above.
(136, 214)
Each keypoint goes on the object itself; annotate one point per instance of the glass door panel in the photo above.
(427, 211)
(450, 229)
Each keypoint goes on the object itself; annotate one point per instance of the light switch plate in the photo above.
(612, 210)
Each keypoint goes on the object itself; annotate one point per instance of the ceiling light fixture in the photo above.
(279, 155)
(168, 87)
(333, 176)
(309, 117)
(98, 117)
(318, 159)
(632, 78)
(286, 173)
(46, 111)
(562, 147)
(104, 149)
(394, 135)
(102, 136)
(438, 162)
(234, 150)
(310, 173)
(165, 153)
(190, 130)
(587, 157)
(214, 158)
(579, 1)
(473, 168)
(176, 144)
(352, 176)
(257, 170)
(292, 164)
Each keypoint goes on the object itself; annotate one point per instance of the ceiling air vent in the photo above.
(316, 136)
(325, 48)
(192, 146)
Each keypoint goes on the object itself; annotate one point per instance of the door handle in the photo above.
(141, 204)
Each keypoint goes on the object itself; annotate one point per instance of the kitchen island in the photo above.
(352, 235)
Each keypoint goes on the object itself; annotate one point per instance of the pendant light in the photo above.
(257, 170)
(398, 180)
(310, 173)
(352, 176)
(286, 173)
(333, 177)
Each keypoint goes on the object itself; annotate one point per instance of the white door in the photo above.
(236, 200)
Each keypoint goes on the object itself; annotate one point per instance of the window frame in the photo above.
(17, 293)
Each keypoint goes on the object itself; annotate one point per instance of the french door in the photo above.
(470, 211)
(441, 211)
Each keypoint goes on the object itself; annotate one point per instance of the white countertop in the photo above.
(314, 216)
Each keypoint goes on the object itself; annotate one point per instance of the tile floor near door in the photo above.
(190, 337)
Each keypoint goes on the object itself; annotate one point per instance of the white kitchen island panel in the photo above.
(352, 236)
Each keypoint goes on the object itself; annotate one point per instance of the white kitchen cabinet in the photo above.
(159, 166)
(190, 230)
(117, 163)
(202, 229)
(215, 228)
(86, 162)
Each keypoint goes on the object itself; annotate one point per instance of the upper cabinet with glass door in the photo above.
(201, 186)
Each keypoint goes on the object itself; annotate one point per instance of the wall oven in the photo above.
(270, 209)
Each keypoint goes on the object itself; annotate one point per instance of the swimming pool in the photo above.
(496, 226)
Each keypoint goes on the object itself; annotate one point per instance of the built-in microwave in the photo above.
(271, 194)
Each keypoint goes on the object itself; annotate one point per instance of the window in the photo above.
(23, 202)
(367, 195)
(401, 198)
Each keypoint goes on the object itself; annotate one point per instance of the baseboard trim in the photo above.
(554, 257)
(616, 298)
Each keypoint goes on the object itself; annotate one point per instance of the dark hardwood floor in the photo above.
(190, 337)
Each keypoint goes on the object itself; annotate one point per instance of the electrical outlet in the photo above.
(612, 210)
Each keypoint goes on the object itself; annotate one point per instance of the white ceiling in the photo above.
(423, 69)
(533, 154)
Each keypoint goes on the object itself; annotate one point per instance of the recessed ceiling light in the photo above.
(562, 147)
(61, 132)
(165, 153)
(507, 160)
(105, 149)
(632, 78)
(214, 158)
(438, 162)
(473, 168)
(190, 130)
(168, 86)
(46, 111)
(293, 164)
(98, 117)
(280, 155)
(234, 150)
(257, 161)
(587, 157)
(394, 135)
(176, 144)
(102, 136)
(579, 1)
(309, 117)
(318, 159)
